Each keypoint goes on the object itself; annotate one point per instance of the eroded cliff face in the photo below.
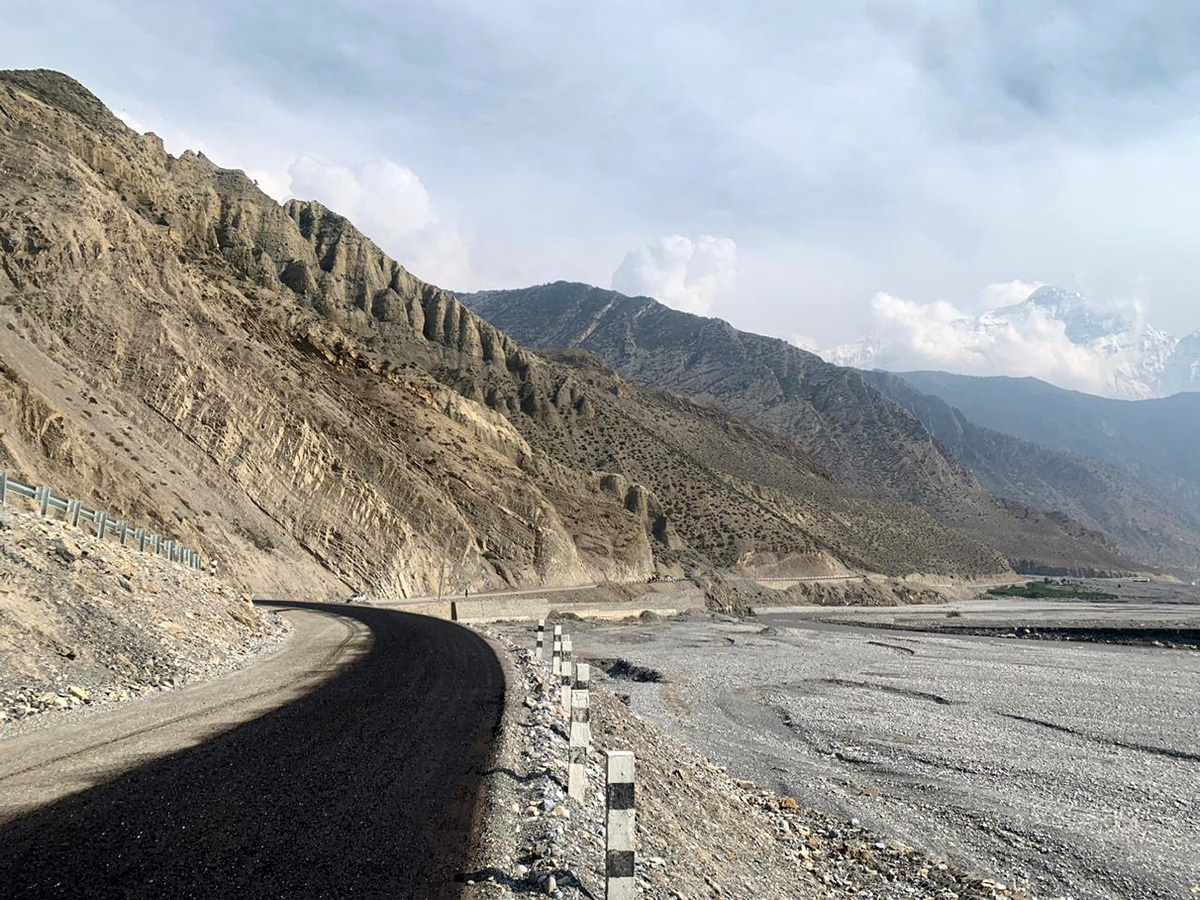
(249, 418)
(266, 383)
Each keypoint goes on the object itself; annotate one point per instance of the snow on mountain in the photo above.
(1181, 371)
(1076, 344)
(862, 354)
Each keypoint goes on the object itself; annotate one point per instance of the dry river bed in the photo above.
(1070, 770)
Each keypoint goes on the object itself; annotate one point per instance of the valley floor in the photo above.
(1066, 770)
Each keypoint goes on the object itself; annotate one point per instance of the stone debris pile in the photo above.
(700, 832)
(85, 622)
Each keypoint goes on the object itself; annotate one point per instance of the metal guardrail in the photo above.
(74, 511)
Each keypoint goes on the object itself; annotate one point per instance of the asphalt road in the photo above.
(346, 765)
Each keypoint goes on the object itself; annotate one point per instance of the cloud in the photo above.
(682, 273)
(389, 204)
(805, 342)
(940, 336)
(1008, 293)
(921, 146)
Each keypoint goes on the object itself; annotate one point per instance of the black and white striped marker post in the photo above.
(556, 652)
(619, 826)
(583, 677)
(581, 732)
(541, 639)
(565, 675)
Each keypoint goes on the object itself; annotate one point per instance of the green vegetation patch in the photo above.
(1038, 589)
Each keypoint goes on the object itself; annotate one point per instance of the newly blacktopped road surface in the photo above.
(361, 784)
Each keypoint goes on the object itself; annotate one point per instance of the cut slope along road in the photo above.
(345, 765)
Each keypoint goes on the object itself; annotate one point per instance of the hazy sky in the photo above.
(777, 164)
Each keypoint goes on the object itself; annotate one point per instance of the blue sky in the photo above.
(777, 164)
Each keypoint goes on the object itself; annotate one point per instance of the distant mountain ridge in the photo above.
(1140, 360)
(1159, 525)
(864, 438)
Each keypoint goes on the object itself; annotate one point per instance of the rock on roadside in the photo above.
(85, 622)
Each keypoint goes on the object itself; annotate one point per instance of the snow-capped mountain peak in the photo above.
(1054, 333)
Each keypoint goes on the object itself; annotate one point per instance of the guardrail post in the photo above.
(541, 639)
(74, 511)
(556, 652)
(620, 828)
(580, 734)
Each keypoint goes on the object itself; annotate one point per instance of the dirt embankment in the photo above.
(84, 621)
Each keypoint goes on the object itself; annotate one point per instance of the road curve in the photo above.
(361, 784)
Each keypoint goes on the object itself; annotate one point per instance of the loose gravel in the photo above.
(84, 622)
(1064, 770)
(701, 832)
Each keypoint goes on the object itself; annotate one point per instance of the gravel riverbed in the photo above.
(701, 832)
(1063, 770)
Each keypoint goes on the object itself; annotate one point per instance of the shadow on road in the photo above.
(363, 788)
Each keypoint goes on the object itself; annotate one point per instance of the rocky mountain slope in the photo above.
(864, 439)
(1150, 442)
(1154, 440)
(1158, 526)
(266, 382)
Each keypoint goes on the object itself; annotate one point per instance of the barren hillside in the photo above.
(1151, 518)
(266, 382)
(866, 440)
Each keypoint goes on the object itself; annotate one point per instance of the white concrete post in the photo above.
(566, 676)
(580, 735)
(556, 652)
(541, 639)
(620, 827)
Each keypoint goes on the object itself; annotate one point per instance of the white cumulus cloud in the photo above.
(1007, 293)
(683, 273)
(940, 336)
(389, 204)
